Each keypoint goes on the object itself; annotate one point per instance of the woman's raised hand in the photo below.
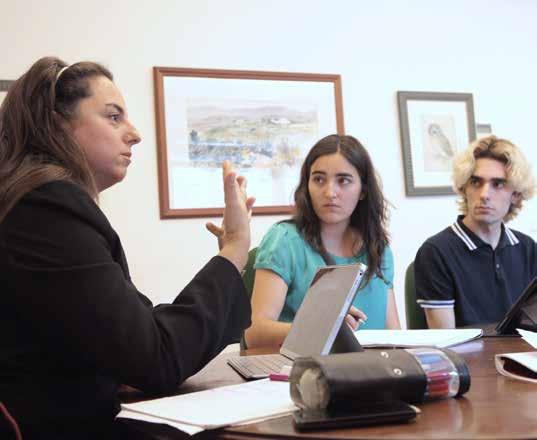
(234, 234)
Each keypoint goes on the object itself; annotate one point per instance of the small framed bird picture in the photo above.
(434, 127)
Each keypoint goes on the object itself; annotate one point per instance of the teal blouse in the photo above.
(286, 253)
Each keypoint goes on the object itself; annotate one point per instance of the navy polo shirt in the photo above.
(455, 268)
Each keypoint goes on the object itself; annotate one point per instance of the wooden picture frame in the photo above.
(482, 130)
(4, 87)
(434, 126)
(263, 122)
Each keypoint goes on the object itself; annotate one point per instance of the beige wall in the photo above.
(484, 47)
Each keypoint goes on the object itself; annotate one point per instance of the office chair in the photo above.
(8, 425)
(248, 276)
(415, 317)
(248, 273)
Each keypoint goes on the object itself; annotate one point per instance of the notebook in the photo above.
(317, 327)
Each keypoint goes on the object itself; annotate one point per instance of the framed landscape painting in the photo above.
(264, 123)
(434, 128)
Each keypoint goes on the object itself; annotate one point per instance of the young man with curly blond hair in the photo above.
(474, 270)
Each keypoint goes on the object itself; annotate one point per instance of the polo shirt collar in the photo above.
(472, 241)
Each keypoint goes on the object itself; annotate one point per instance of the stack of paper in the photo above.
(230, 405)
(416, 338)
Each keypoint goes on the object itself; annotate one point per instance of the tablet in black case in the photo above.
(523, 313)
(375, 413)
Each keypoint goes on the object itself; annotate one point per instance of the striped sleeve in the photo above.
(434, 286)
(436, 304)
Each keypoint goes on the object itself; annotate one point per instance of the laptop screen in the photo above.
(322, 311)
(523, 313)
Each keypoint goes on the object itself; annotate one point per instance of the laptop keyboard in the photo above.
(259, 366)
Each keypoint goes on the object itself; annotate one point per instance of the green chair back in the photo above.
(415, 317)
(248, 276)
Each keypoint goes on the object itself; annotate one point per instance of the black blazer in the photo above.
(73, 326)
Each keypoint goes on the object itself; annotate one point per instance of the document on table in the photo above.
(528, 336)
(416, 338)
(214, 408)
(521, 366)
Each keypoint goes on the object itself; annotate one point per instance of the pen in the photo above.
(279, 377)
(283, 375)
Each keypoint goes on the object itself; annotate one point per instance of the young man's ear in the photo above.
(516, 197)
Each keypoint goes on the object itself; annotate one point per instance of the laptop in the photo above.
(317, 328)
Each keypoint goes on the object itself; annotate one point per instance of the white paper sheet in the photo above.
(529, 337)
(189, 429)
(416, 338)
(230, 405)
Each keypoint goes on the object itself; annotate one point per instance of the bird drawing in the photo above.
(439, 142)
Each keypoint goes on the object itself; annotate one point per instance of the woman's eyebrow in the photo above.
(118, 108)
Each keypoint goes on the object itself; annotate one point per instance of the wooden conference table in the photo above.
(495, 407)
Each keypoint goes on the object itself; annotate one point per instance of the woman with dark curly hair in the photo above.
(340, 218)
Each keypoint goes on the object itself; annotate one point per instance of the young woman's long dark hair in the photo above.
(35, 147)
(369, 217)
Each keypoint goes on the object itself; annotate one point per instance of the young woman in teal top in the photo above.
(340, 219)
